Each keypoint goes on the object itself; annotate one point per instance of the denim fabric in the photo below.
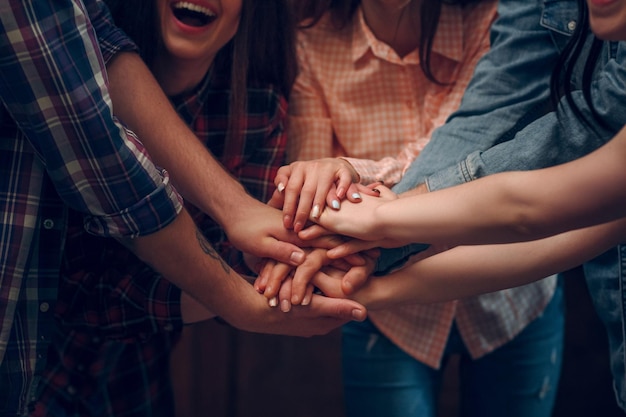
(382, 380)
(606, 280)
(487, 134)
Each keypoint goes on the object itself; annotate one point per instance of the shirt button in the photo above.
(48, 224)
(44, 307)
(71, 390)
(571, 25)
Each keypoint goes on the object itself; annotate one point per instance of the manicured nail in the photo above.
(335, 204)
(273, 302)
(315, 213)
(356, 196)
(285, 306)
(281, 187)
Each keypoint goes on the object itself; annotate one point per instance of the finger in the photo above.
(304, 274)
(355, 278)
(277, 200)
(282, 251)
(329, 284)
(325, 192)
(333, 200)
(291, 194)
(305, 207)
(354, 193)
(265, 269)
(386, 193)
(282, 177)
(338, 308)
(355, 259)
(313, 232)
(284, 295)
(275, 278)
(350, 247)
(307, 296)
(344, 182)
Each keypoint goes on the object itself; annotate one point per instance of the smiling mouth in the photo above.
(192, 14)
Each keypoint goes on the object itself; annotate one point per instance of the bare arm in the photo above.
(196, 174)
(504, 207)
(471, 270)
(184, 257)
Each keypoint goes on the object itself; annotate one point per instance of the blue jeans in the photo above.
(518, 379)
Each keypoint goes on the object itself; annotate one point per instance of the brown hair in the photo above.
(309, 12)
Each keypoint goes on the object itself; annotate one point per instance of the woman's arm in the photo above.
(506, 207)
(466, 271)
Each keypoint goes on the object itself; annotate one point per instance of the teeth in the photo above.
(194, 7)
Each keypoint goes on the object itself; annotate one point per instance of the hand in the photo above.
(292, 286)
(258, 230)
(336, 282)
(308, 186)
(355, 220)
(319, 317)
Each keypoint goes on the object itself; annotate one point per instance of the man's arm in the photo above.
(248, 223)
(182, 255)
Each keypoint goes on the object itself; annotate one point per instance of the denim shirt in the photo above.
(503, 124)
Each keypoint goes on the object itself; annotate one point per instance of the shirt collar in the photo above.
(193, 101)
(448, 40)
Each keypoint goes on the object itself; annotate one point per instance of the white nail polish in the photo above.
(335, 204)
(273, 302)
(315, 213)
(356, 196)
(281, 187)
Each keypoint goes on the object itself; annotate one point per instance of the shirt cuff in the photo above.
(394, 258)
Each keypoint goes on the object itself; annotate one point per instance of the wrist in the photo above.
(356, 178)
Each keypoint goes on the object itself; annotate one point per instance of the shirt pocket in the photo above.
(561, 18)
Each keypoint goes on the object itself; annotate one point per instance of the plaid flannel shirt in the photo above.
(60, 147)
(111, 294)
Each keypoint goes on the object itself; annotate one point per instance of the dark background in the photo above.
(221, 372)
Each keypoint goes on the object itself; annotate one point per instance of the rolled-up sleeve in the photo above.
(53, 84)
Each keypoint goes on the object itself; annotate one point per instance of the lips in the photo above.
(192, 14)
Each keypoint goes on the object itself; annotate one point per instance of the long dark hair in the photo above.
(562, 84)
(309, 12)
(262, 52)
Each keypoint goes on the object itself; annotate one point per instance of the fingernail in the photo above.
(356, 196)
(306, 300)
(281, 187)
(274, 302)
(297, 257)
(285, 306)
(315, 213)
(357, 314)
(335, 204)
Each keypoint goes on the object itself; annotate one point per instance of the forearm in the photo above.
(466, 271)
(196, 268)
(192, 310)
(196, 174)
(515, 206)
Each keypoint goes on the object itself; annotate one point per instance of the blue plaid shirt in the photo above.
(60, 147)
